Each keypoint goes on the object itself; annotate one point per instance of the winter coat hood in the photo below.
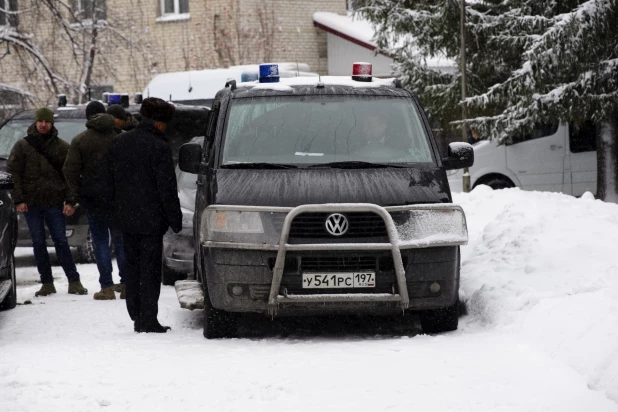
(102, 123)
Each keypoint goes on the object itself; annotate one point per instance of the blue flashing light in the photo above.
(269, 73)
(113, 98)
(249, 76)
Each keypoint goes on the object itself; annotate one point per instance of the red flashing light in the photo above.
(361, 72)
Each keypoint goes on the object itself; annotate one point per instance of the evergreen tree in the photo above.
(530, 61)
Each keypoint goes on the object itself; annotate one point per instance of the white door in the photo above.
(538, 158)
(582, 149)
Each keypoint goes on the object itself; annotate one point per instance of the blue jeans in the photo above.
(100, 227)
(56, 224)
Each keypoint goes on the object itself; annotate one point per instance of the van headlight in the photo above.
(234, 222)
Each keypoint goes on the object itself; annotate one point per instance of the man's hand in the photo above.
(21, 208)
(68, 210)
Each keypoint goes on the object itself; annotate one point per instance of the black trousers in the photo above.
(143, 255)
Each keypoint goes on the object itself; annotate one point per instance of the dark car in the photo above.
(319, 197)
(8, 240)
(178, 247)
(188, 122)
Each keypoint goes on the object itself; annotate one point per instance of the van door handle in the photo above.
(555, 147)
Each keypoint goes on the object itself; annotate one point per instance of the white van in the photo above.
(553, 158)
(198, 87)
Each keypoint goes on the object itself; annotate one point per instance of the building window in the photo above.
(6, 17)
(89, 9)
(171, 7)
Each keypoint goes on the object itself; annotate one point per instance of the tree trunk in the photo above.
(607, 159)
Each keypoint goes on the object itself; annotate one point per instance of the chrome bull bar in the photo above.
(402, 296)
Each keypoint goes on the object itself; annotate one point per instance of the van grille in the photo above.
(338, 263)
(312, 225)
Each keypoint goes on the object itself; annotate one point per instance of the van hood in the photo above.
(294, 187)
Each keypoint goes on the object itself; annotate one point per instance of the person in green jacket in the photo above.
(40, 193)
(85, 172)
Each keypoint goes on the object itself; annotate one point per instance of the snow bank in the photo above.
(543, 266)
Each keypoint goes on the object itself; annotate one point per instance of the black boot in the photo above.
(154, 328)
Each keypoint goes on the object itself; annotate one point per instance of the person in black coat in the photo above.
(145, 205)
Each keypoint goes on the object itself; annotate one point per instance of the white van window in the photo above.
(322, 129)
(540, 130)
(583, 138)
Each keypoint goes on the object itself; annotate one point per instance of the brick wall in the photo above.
(218, 33)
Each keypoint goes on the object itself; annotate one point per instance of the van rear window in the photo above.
(322, 129)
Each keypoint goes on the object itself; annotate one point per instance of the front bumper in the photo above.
(270, 284)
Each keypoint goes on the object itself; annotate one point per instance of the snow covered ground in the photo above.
(539, 278)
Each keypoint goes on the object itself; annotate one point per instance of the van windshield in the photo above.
(14, 130)
(309, 130)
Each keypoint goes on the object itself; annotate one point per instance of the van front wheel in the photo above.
(440, 320)
(218, 323)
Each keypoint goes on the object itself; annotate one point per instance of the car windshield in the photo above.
(314, 130)
(14, 130)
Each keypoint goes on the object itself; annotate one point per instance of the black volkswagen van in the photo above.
(323, 196)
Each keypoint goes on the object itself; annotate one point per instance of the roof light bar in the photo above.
(269, 73)
(361, 72)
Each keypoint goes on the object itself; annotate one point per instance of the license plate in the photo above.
(339, 280)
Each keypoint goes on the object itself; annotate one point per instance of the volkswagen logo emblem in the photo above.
(337, 224)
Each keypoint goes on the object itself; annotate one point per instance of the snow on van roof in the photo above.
(285, 84)
(204, 84)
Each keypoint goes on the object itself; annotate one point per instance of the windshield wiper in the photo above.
(355, 164)
(257, 166)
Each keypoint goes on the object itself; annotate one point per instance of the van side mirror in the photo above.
(190, 158)
(460, 155)
(6, 182)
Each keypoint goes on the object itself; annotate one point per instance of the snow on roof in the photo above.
(286, 83)
(362, 32)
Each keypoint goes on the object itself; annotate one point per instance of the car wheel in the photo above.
(10, 301)
(86, 251)
(218, 323)
(440, 320)
(497, 183)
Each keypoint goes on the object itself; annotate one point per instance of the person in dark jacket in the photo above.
(124, 121)
(40, 193)
(85, 170)
(145, 205)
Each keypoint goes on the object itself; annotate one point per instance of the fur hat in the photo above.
(117, 111)
(44, 113)
(157, 109)
(94, 107)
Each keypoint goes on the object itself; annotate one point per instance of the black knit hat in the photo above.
(157, 109)
(94, 107)
(117, 111)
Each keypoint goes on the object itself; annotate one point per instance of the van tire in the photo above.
(85, 252)
(496, 182)
(10, 301)
(440, 320)
(218, 323)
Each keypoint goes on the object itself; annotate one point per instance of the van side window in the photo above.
(583, 138)
(540, 130)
